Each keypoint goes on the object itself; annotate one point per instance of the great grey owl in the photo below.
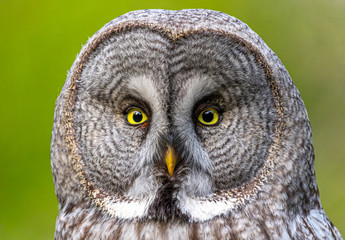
(183, 125)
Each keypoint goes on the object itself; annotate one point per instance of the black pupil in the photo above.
(207, 116)
(137, 116)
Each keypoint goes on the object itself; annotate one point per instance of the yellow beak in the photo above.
(170, 160)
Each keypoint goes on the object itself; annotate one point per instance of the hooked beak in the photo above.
(170, 160)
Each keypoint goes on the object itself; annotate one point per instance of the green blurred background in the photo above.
(39, 41)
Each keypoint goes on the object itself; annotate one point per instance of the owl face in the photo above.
(203, 97)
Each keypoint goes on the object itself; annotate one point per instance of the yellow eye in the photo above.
(136, 116)
(209, 116)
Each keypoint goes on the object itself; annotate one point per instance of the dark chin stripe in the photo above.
(164, 207)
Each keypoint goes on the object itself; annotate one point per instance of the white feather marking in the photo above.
(128, 209)
(146, 88)
(203, 209)
(194, 89)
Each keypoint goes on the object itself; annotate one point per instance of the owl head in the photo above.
(181, 116)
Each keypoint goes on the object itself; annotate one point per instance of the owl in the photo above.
(183, 125)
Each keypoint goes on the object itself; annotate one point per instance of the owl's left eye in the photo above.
(136, 116)
(209, 116)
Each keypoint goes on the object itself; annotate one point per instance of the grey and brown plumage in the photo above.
(202, 85)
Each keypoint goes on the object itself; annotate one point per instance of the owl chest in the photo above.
(91, 225)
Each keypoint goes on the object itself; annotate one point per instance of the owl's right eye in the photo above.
(136, 116)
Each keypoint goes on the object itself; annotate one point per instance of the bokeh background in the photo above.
(39, 41)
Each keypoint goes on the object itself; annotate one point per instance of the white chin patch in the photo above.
(127, 209)
(204, 209)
